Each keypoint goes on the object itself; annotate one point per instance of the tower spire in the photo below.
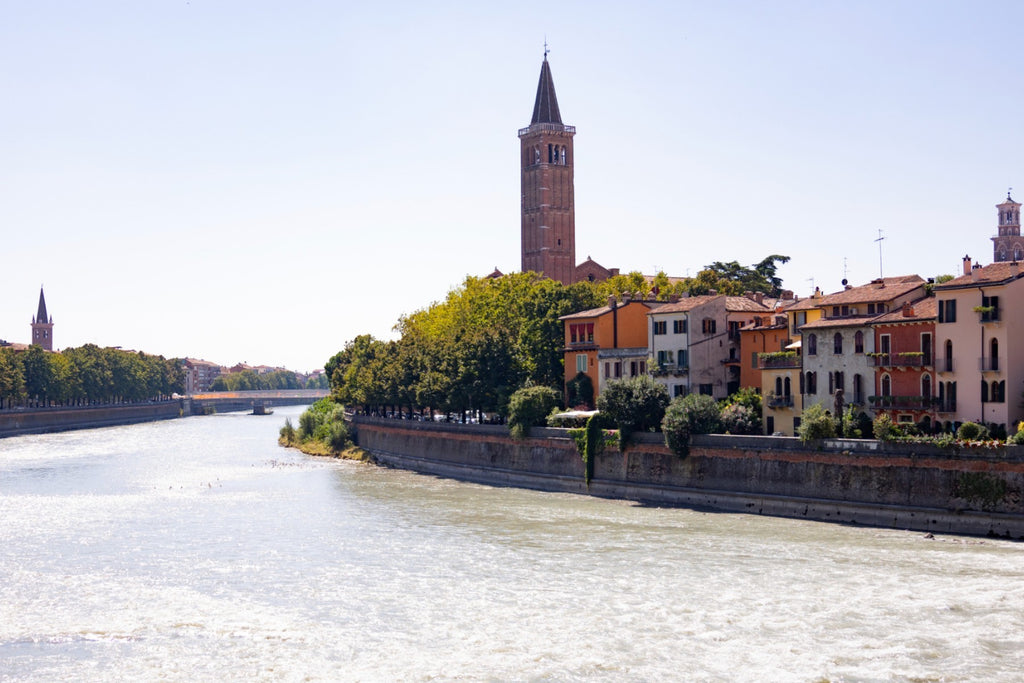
(545, 107)
(42, 325)
(41, 316)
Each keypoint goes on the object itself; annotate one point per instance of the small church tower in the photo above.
(1007, 244)
(548, 205)
(42, 325)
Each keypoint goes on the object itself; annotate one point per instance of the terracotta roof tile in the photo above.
(1004, 271)
(882, 289)
(922, 309)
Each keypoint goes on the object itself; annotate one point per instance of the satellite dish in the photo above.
(845, 282)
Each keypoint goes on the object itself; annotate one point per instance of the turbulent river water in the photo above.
(197, 549)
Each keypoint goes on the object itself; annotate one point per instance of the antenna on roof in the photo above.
(811, 280)
(879, 240)
(844, 270)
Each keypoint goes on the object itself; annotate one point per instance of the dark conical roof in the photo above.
(41, 316)
(545, 109)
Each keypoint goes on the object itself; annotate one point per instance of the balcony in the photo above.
(904, 359)
(547, 127)
(785, 401)
(944, 365)
(777, 361)
(903, 402)
(990, 363)
(669, 369)
(946, 406)
(988, 314)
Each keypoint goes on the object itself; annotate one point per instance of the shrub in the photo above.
(686, 415)
(288, 433)
(529, 407)
(308, 423)
(1018, 437)
(971, 431)
(816, 423)
(740, 419)
(581, 390)
(337, 436)
(633, 405)
(884, 429)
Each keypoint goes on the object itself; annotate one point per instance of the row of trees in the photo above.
(489, 337)
(247, 380)
(85, 375)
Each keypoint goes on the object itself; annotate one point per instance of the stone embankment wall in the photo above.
(973, 491)
(14, 422)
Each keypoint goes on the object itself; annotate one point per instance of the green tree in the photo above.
(687, 415)
(12, 381)
(529, 407)
(635, 404)
(816, 423)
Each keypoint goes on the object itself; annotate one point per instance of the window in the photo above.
(778, 386)
(581, 362)
(926, 386)
(769, 423)
(858, 389)
(618, 369)
(679, 390)
(753, 359)
(679, 326)
(999, 392)
(706, 389)
(659, 327)
(994, 363)
(947, 311)
(632, 368)
(835, 311)
(984, 391)
(607, 369)
(708, 326)
(993, 303)
(684, 359)
(812, 345)
(871, 309)
(837, 343)
(886, 385)
(840, 382)
(665, 358)
(858, 342)
(643, 367)
(811, 383)
(787, 388)
(926, 349)
(948, 362)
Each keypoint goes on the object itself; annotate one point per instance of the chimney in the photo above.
(759, 297)
(908, 310)
(1014, 269)
(611, 301)
(627, 297)
(967, 265)
(975, 271)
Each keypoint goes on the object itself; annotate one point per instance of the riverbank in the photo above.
(851, 481)
(15, 422)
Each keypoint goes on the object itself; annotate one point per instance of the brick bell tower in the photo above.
(42, 325)
(1008, 245)
(548, 205)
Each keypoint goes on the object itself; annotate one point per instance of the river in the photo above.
(197, 549)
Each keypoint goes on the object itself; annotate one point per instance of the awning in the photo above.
(794, 345)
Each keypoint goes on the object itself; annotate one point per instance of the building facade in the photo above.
(904, 360)
(547, 194)
(979, 332)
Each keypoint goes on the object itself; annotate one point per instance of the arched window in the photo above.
(994, 345)
(837, 343)
(787, 388)
(926, 386)
(858, 389)
(984, 391)
(778, 386)
(563, 156)
(1017, 253)
(858, 342)
(1002, 254)
(812, 345)
(886, 385)
(949, 356)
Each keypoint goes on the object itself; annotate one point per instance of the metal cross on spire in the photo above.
(546, 50)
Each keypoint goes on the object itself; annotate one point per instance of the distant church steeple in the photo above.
(1007, 244)
(42, 325)
(548, 202)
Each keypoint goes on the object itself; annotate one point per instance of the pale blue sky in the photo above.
(262, 181)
